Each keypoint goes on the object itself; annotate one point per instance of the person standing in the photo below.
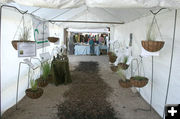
(101, 39)
(91, 43)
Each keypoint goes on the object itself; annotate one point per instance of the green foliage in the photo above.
(25, 35)
(125, 59)
(139, 78)
(34, 84)
(46, 70)
(121, 74)
(113, 54)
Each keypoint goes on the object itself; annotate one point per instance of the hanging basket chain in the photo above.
(22, 20)
(154, 21)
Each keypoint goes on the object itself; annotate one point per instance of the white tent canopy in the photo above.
(98, 3)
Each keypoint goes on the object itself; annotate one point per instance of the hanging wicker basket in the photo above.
(114, 68)
(139, 83)
(152, 46)
(123, 66)
(125, 84)
(15, 42)
(112, 59)
(53, 39)
(34, 94)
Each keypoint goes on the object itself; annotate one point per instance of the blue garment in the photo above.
(91, 43)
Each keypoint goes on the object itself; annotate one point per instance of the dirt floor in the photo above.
(93, 94)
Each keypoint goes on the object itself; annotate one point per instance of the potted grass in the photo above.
(123, 65)
(139, 81)
(43, 80)
(124, 82)
(112, 57)
(150, 44)
(34, 92)
(23, 37)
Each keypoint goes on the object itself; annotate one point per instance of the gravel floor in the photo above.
(94, 94)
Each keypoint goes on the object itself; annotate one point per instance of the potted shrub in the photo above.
(150, 44)
(23, 37)
(112, 57)
(139, 81)
(34, 92)
(123, 64)
(124, 82)
(43, 80)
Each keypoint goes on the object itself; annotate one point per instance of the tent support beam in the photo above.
(98, 22)
(60, 14)
(171, 61)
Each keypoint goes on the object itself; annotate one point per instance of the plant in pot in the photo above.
(112, 57)
(43, 80)
(123, 65)
(34, 92)
(139, 81)
(150, 44)
(23, 37)
(124, 82)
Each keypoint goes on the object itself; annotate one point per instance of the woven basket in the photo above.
(34, 94)
(152, 46)
(53, 39)
(114, 68)
(123, 66)
(42, 83)
(139, 83)
(125, 84)
(112, 59)
(14, 43)
(109, 53)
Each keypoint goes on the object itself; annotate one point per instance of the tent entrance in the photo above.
(88, 41)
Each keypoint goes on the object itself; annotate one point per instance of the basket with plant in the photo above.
(123, 64)
(23, 37)
(124, 82)
(150, 44)
(43, 80)
(112, 57)
(34, 92)
(139, 81)
(114, 68)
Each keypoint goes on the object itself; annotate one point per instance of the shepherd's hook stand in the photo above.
(18, 79)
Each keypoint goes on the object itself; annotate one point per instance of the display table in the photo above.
(60, 72)
(85, 50)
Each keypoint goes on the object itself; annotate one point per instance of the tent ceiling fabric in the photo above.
(98, 3)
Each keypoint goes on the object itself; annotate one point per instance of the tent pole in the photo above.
(152, 78)
(0, 53)
(86, 22)
(171, 61)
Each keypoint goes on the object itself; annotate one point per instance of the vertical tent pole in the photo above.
(0, 54)
(171, 61)
(152, 78)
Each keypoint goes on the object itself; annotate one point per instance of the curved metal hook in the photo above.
(20, 11)
(154, 13)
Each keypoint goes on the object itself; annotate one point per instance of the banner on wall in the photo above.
(41, 33)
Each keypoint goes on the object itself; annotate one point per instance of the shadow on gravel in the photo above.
(86, 98)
